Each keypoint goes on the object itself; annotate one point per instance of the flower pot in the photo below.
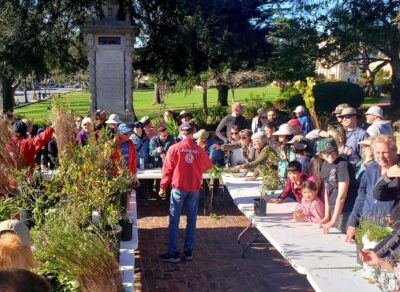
(359, 247)
(126, 225)
(260, 207)
(369, 271)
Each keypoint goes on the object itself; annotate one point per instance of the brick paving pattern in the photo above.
(217, 264)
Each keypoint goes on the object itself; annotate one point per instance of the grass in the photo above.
(143, 101)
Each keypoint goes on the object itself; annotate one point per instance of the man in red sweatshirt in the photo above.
(183, 169)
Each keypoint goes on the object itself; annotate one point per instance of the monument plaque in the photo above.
(109, 43)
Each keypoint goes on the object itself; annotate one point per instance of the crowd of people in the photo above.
(338, 175)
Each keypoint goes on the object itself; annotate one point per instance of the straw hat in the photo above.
(284, 130)
(113, 119)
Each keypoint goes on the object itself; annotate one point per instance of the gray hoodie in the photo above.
(380, 128)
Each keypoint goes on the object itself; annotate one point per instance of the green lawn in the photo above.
(143, 101)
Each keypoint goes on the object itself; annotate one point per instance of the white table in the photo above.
(127, 248)
(327, 260)
(156, 173)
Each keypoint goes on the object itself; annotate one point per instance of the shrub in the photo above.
(329, 94)
(253, 104)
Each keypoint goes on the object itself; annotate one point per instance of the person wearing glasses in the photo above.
(338, 111)
(234, 118)
(354, 135)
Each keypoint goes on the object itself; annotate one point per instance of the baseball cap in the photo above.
(144, 120)
(294, 122)
(137, 124)
(20, 127)
(123, 128)
(326, 145)
(186, 126)
(19, 228)
(260, 111)
(161, 126)
(299, 109)
(299, 145)
(183, 114)
(375, 111)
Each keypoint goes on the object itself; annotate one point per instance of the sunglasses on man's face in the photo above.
(347, 116)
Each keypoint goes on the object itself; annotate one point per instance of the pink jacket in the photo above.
(312, 211)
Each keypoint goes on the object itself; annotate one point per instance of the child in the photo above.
(293, 183)
(311, 208)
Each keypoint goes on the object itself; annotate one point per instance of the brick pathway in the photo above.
(217, 265)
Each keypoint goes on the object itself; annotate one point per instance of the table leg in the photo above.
(247, 245)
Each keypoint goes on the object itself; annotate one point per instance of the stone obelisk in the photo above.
(109, 42)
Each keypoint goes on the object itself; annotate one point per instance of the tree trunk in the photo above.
(26, 95)
(233, 94)
(7, 94)
(222, 94)
(205, 110)
(157, 95)
(395, 96)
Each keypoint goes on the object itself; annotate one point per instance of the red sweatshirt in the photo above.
(132, 156)
(29, 147)
(184, 166)
(292, 188)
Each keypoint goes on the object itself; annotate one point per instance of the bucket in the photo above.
(260, 207)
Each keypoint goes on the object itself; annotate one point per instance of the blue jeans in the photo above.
(191, 202)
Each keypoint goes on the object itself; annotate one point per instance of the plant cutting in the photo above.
(215, 173)
(368, 235)
(172, 127)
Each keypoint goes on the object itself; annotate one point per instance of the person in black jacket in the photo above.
(234, 118)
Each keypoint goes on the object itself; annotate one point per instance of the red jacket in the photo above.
(132, 156)
(29, 147)
(292, 188)
(184, 166)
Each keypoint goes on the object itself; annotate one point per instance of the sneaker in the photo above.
(188, 256)
(167, 258)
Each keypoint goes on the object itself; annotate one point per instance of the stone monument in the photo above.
(109, 42)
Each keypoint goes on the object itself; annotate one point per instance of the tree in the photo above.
(295, 49)
(39, 36)
(365, 31)
(188, 38)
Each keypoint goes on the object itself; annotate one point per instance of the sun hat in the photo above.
(19, 228)
(299, 109)
(113, 119)
(20, 127)
(375, 111)
(326, 145)
(183, 114)
(186, 126)
(201, 134)
(339, 108)
(144, 120)
(123, 128)
(284, 130)
(313, 134)
(348, 111)
(294, 122)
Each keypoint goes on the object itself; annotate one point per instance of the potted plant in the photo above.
(270, 182)
(368, 236)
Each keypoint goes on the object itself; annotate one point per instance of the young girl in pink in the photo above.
(311, 208)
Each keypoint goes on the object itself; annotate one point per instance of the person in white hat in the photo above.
(379, 126)
(304, 119)
(112, 123)
(285, 134)
(184, 116)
